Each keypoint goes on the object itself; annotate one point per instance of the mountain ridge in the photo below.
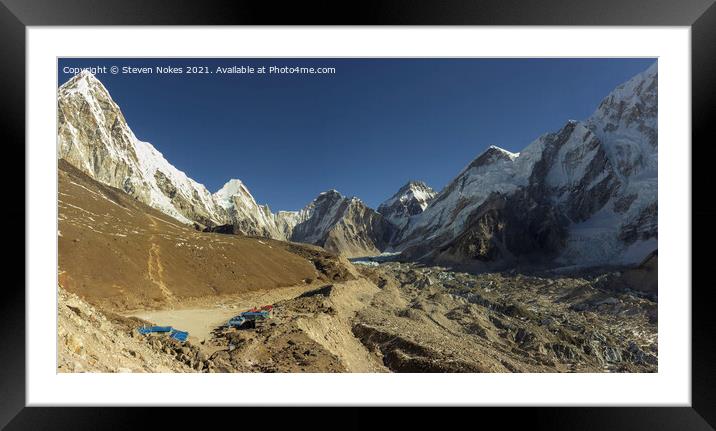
(594, 180)
(585, 194)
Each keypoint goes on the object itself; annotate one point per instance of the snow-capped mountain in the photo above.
(586, 194)
(94, 137)
(493, 171)
(342, 225)
(409, 200)
(250, 218)
(626, 122)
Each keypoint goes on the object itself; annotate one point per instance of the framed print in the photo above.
(232, 206)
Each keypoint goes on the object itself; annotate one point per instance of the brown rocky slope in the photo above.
(119, 253)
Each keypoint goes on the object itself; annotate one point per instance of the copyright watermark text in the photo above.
(201, 70)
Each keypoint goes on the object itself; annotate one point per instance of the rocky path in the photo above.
(202, 316)
(155, 269)
(311, 332)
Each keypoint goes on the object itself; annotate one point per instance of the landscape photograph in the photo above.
(357, 215)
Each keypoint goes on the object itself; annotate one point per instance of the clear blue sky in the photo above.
(365, 130)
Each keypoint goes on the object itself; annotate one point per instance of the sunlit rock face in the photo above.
(93, 135)
(343, 225)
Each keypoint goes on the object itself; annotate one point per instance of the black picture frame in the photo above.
(699, 15)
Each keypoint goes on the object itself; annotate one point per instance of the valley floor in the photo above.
(393, 317)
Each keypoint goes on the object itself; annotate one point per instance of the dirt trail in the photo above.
(311, 332)
(333, 331)
(201, 316)
(155, 269)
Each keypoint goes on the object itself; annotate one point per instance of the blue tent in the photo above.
(149, 329)
(173, 333)
(179, 335)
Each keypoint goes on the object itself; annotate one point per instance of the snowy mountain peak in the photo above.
(84, 73)
(86, 77)
(233, 183)
(331, 192)
(236, 198)
(94, 136)
(251, 218)
(232, 188)
(627, 122)
(509, 154)
(84, 83)
(491, 155)
(414, 190)
(331, 196)
(409, 200)
(413, 185)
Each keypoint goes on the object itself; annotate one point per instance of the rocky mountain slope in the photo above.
(119, 253)
(586, 194)
(250, 218)
(93, 136)
(409, 200)
(90, 340)
(342, 225)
